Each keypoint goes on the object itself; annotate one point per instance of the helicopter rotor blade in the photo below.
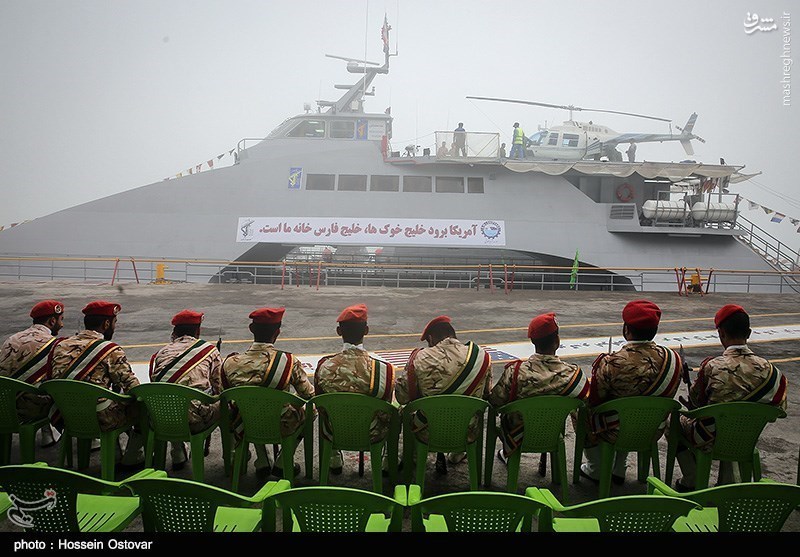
(570, 107)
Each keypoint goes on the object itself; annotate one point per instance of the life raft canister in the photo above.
(625, 192)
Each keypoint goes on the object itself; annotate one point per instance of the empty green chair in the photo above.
(630, 513)
(738, 427)
(10, 424)
(77, 403)
(47, 499)
(640, 418)
(260, 409)
(167, 406)
(744, 507)
(350, 416)
(474, 511)
(448, 418)
(340, 509)
(544, 418)
(178, 505)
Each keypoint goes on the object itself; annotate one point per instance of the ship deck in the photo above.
(396, 319)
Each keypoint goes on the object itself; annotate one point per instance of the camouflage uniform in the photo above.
(640, 368)
(251, 368)
(350, 371)
(541, 374)
(113, 372)
(204, 376)
(440, 369)
(15, 352)
(735, 375)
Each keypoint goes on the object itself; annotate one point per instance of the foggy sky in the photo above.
(99, 97)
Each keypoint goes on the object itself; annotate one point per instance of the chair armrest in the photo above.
(26, 388)
(119, 397)
(657, 487)
(401, 495)
(206, 398)
(268, 489)
(544, 496)
(414, 495)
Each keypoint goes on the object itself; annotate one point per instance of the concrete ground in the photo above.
(396, 318)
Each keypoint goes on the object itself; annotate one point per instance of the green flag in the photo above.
(573, 277)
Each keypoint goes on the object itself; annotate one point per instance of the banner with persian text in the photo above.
(372, 231)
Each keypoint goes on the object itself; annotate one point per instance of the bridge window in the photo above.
(319, 182)
(342, 129)
(449, 184)
(570, 140)
(474, 185)
(553, 139)
(417, 183)
(308, 128)
(385, 183)
(352, 182)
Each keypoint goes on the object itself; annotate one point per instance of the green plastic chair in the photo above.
(474, 511)
(78, 503)
(544, 418)
(744, 507)
(10, 424)
(261, 409)
(178, 505)
(350, 416)
(738, 427)
(630, 513)
(167, 407)
(77, 402)
(639, 421)
(341, 509)
(448, 419)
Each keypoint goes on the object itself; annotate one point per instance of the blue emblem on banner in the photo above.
(295, 177)
(362, 128)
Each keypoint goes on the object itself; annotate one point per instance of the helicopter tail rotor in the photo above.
(687, 131)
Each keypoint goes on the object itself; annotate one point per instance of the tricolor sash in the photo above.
(93, 354)
(381, 379)
(279, 370)
(182, 364)
(472, 375)
(36, 366)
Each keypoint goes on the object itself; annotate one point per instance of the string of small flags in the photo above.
(776, 216)
(209, 164)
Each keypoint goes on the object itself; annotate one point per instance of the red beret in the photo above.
(187, 317)
(47, 308)
(725, 312)
(357, 312)
(267, 316)
(102, 308)
(642, 314)
(542, 325)
(434, 321)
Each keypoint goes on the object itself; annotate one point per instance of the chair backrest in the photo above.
(350, 416)
(337, 509)
(750, 507)
(44, 499)
(77, 403)
(260, 409)
(479, 511)
(632, 513)
(167, 407)
(544, 418)
(177, 505)
(639, 419)
(448, 418)
(738, 427)
(9, 421)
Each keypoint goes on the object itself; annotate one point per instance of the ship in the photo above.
(328, 186)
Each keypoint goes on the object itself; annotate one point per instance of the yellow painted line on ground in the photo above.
(472, 331)
(795, 359)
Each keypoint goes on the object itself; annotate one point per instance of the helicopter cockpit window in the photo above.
(308, 128)
(537, 138)
(570, 140)
(342, 129)
(553, 139)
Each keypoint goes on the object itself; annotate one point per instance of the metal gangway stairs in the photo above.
(778, 255)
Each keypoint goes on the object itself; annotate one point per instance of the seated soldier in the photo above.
(543, 373)
(446, 366)
(265, 366)
(738, 374)
(353, 370)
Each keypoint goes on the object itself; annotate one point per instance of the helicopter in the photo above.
(587, 140)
